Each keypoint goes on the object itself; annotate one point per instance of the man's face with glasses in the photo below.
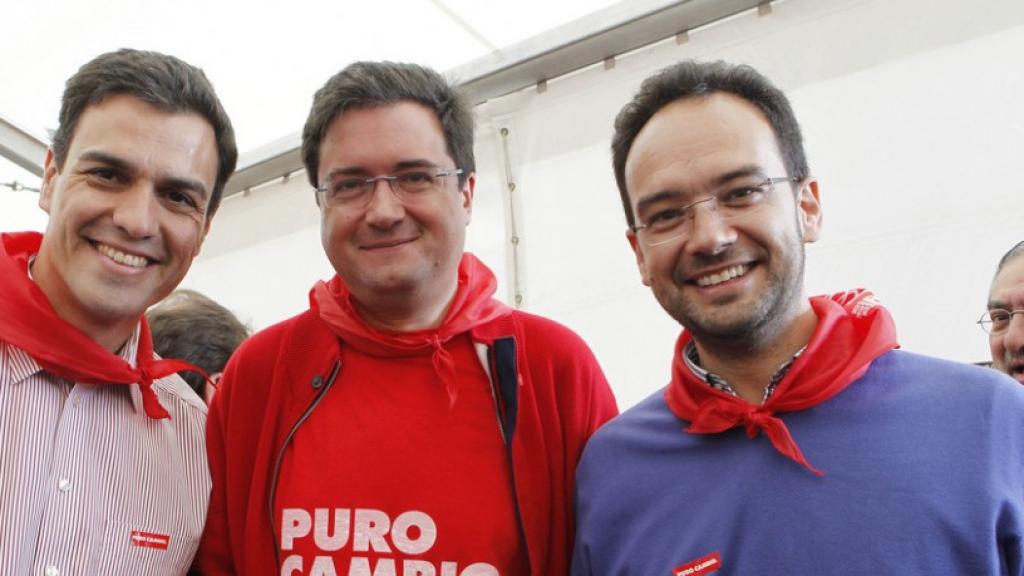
(393, 215)
(719, 235)
(1004, 319)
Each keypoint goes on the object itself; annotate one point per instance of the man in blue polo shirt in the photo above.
(793, 437)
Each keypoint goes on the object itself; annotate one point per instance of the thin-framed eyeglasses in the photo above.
(997, 320)
(356, 191)
(665, 221)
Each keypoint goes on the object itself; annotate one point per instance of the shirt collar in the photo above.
(21, 366)
(692, 360)
(128, 353)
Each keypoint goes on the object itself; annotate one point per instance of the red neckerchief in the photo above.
(471, 307)
(853, 330)
(29, 322)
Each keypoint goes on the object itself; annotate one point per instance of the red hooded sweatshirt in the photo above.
(278, 454)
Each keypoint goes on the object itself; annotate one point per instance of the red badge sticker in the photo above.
(150, 540)
(706, 565)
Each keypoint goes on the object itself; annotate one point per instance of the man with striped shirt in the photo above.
(102, 459)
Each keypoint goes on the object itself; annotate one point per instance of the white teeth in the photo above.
(728, 274)
(120, 257)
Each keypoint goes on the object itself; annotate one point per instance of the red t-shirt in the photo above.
(385, 479)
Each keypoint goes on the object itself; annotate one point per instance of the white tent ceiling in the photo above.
(267, 58)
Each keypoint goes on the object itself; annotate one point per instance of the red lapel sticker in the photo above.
(150, 540)
(706, 565)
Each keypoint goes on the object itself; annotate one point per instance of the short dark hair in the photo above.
(167, 83)
(691, 79)
(372, 84)
(1011, 254)
(190, 326)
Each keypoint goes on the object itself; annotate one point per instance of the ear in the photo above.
(638, 251)
(49, 176)
(467, 191)
(809, 211)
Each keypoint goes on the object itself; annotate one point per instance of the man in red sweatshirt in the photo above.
(408, 422)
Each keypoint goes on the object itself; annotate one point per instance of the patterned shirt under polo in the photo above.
(692, 359)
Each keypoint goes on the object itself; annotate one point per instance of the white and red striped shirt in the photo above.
(89, 484)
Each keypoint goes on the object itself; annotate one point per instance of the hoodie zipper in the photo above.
(280, 456)
(499, 409)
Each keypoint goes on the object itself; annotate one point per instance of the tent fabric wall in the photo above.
(913, 126)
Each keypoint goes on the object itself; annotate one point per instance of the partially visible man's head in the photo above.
(715, 186)
(395, 242)
(1006, 332)
(190, 326)
(133, 177)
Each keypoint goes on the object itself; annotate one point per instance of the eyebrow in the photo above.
(741, 172)
(720, 180)
(655, 199)
(402, 165)
(997, 304)
(172, 182)
(417, 163)
(108, 159)
(179, 183)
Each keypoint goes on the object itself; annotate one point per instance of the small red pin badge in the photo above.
(150, 540)
(706, 565)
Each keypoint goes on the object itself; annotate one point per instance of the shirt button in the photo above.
(64, 485)
(52, 571)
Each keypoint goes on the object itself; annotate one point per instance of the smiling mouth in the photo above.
(123, 258)
(723, 276)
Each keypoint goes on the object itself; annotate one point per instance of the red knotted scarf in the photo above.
(471, 307)
(29, 322)
(852, 331)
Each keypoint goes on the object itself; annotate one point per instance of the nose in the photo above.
(385, 209)
(136, 211)
(709, 234)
